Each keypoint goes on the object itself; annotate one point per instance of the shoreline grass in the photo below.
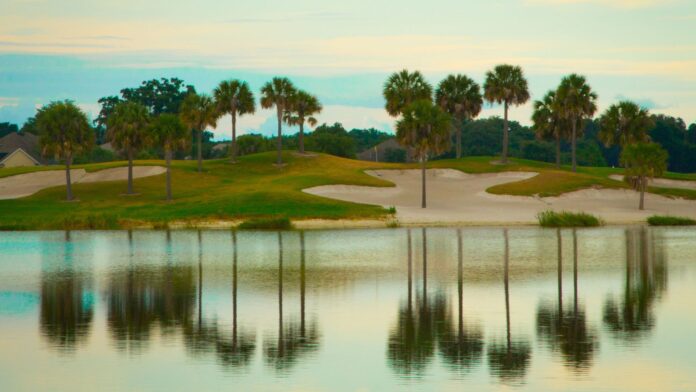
(568, 219)
(666, 220)
(277, 223)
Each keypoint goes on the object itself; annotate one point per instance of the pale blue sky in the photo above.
(643, 50)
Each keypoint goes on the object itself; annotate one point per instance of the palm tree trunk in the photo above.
(168, 158)
(68, 181)
(641, 184)
(560, 272)
(279, 160)
(280, 295)
(233, 145)
(410, 273)
(460, 284)
(200, 151)
(505, 135)
(574, 143)
(130, 171)
(507, 289)
(575, 274)
(234, 288)
(459, 139)
(302, 284)
(423, 158)
(301, 137)
(558, 151)
(425, 268)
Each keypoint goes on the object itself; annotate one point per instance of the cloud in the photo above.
(609, 3)
(645, 103)
(8, 101)
(292, 17)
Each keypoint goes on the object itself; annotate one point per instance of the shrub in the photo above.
(266, 224)
(568, 219)
(664, 220)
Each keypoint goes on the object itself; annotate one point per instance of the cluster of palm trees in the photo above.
(65, 130)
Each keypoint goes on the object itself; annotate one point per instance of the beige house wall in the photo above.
(18, 158)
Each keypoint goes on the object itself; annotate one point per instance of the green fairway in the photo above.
(255, 188)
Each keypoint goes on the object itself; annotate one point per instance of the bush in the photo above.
(266, 224)
(90, 222)
(568, 219)
(663, 220)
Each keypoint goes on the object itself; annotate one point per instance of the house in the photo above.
(19, 149)
(388, 151)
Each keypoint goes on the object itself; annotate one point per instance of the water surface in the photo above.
(606, 309)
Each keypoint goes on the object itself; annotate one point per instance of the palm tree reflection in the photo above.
(293, 340)
(67, 307)
(508, 361)
(631, 319)
(564, 330)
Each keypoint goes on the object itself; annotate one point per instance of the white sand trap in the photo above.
(22, 185)
(662, 182)
(456, 197)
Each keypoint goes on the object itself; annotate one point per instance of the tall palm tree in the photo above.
(424, 128)
(575, 101)
(64, 132)
(303, 106)
(625, 123)
(170, 134)
(278, 92)
(643, 161)
(198, 112)
(506, 84)
(127, 131)
(461, 97)
(548, 123)
(234, 97)
(404, 88)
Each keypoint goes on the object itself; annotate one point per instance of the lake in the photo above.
(609, 309)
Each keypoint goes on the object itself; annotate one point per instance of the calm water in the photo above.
(360, 310)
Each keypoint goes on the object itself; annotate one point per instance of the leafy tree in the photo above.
(159, 96)
(643, 161)
(575, 101)
(30, 126)
(366, 138)
(198, 112)
(395, 155)
(8, 128)
(235, 98)
(127, 131)
(461, 97)
(107, 107)
(404, 88)
(331, 139)
(506, 84)
(278, 92)
(65, 132)
(424, 127)
(303, 106)
(169, 133)
(671, 133)
(252, 144)
(625, 123)
(548, 124)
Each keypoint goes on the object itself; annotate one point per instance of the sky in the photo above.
(642, 50)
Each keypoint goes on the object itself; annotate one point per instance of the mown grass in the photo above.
(664, 220)
(278, 223)
(568, 219)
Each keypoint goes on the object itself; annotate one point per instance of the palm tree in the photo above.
(198, 112)
(278, 92)
(625, 123)
(127, 131)
(575, 101)
(234, 97)
(643, 161)
(424, 128)
(170, 134)
(461, 97)
(506, 84)
(64, 132)
(404, 88)
(548, 124)
(302, 108)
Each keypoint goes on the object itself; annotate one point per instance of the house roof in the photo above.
(5, 156)
(28, 142)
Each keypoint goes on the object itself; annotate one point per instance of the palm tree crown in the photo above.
(548, 124)
(625, 123)
(303, 107)
(127, 131)
(403, 88)
(169, 133)
(234, 97)
(461, 97)
(278, 92)
(198, 111)
(575, 101)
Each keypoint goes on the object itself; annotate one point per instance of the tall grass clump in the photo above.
(568, 219)
(90, 222)
(282, 223)
(665, 220)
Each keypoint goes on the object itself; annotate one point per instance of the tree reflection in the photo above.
(508, 361)
(632, 318)
(67, 307)
(293, 340)
(461, 348)
(565, 330)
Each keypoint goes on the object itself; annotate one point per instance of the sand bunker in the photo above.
(456, 197)
(662, 182)
(23, 185)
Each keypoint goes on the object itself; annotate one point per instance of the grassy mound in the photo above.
(568, 219)
(266, 224)
(663, 220)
